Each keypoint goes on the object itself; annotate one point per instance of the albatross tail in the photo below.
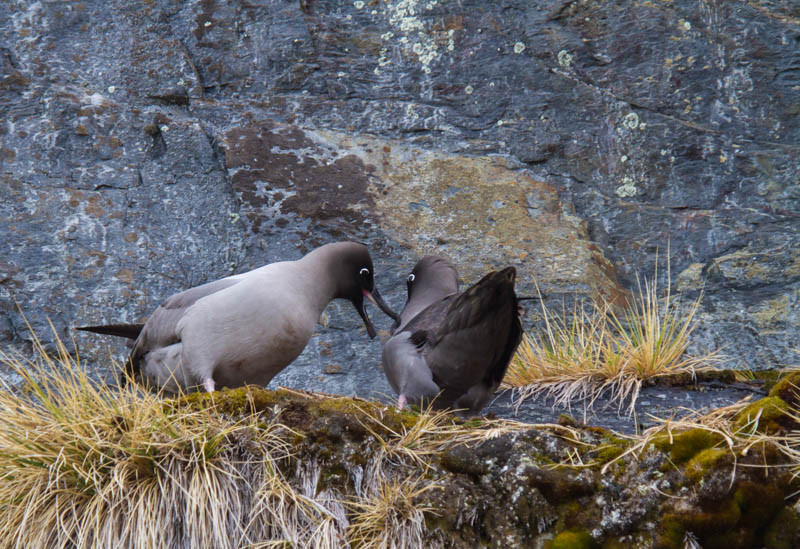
(131, 331)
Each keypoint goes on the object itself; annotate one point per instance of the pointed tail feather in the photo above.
(131, 331)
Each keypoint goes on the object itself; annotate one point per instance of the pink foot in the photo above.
(208, 383)
(401, 402)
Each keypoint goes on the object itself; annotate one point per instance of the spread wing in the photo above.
(477, 336)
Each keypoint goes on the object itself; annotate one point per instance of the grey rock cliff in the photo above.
(149, 147)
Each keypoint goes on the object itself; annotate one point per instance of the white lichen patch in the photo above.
(631, 120)
(468, 90)
(519, 47)
(627, 189)
(404, 16)
(358, 4)
(412, 34)
(564, 59)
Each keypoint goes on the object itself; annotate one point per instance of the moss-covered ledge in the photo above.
(445, 482)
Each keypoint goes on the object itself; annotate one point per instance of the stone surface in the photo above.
(148, 147)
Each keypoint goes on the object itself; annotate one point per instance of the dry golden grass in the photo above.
(582, 355)
(85, 464)
(387, 514)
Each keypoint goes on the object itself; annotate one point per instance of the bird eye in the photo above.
(364, 272)
(411, 277)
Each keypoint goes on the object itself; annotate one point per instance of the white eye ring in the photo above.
(363, 271)
(411, 277)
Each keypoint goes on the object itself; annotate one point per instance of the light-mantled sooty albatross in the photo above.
(247, 327)
(450, 348)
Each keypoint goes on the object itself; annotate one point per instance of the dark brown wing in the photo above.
(478, 335)
(431, 317)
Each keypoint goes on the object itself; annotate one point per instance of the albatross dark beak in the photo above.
(376, 299)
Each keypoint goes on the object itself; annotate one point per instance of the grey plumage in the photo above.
(246, 328)
(452, 348)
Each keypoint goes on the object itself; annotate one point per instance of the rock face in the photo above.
(149, 147)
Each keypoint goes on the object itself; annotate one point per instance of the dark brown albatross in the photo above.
(452, 348)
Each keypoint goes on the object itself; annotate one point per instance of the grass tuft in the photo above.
(389, 514)
(585, 354)
(88, 464)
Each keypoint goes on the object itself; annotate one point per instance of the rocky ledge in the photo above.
(495, 483)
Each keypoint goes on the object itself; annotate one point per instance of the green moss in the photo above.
(736, 522)
(574, 517)
(463, 459)
(687, 444)
(703, 461)
(788, 389)
(669, 533)
(567, 420)
(728, 524)
(152, 129)
(721, 518)
(758, 502)
(773, 414)
(784, 531)
(689, 379)
(241, 400)
(608, 453)
(389, 416)
(769, 378)
(736, 538)
(331, 477)
(613, 448)
(573, 539)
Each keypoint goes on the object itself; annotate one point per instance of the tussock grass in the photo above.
(89, 464)
(83, 464)
(387, 514)
(588, 353)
